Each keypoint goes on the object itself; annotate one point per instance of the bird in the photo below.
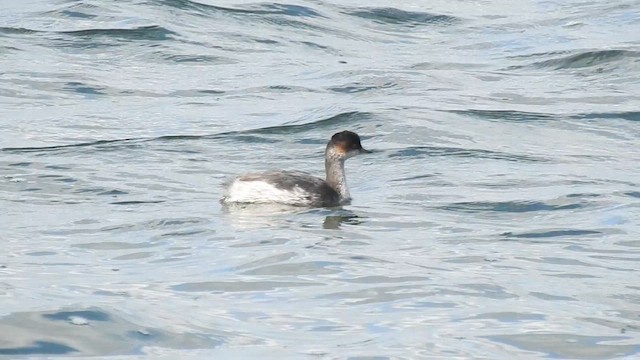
(296, 188)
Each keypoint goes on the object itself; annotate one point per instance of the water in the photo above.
(497, 219)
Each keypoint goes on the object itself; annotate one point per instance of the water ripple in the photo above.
(116, 144)
(628, 115)
(505, 115)
(150, 32)
(567, 346)
(509, 206)
(254, 9)
(142, 33)
(396, 16)
(434, 151)
(586, 59)
(65, 332)
(551, 233)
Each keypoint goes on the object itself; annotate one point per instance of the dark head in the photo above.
(344, 145)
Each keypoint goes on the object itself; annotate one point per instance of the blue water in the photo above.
(497, 218)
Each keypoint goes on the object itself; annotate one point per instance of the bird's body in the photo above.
(297, 188)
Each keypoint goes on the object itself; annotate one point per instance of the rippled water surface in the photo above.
(498, 217)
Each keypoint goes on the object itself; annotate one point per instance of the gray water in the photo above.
(498, 217)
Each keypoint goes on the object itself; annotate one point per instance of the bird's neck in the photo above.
(336, 177)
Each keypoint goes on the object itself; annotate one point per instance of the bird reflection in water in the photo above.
(335, 221)
(271, 214)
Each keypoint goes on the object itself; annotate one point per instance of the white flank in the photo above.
(261, 192)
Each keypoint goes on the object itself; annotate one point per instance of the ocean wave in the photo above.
(505, 115)
(586, 59)
(401, 17)
(253, 9)
(509, 206)
(149, 32)
(434, 151)
(115, 144)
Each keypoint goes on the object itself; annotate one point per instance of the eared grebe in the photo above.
(298, 188)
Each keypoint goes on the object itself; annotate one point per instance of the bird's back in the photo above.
(285, 187)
